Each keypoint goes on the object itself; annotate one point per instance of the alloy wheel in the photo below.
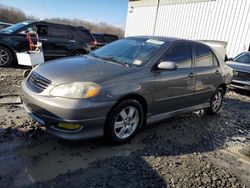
(217, 100)
(126, 122)
(4, 57)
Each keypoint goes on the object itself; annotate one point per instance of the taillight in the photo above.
(94, 43)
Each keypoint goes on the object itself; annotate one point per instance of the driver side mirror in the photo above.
(167, 65)
(230, 59)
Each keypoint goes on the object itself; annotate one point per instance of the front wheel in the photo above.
(216, 102)
(6, 57)
(124, 121)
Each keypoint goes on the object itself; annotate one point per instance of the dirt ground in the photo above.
(190, 150)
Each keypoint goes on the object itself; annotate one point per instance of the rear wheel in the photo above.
(216, 102)
(124, 121)
(6, 57)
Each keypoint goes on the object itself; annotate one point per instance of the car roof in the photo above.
(57, 24)
(102, 34)
(248, 53)
(167, 40)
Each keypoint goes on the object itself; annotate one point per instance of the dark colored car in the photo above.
(4, 25)
(116, 89)
(57, 40)
(103, 39)
(241, 66)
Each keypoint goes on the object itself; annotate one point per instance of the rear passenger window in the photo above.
(85, 35)
(204, 56)
(60, 32)
(216, 62)
(99, 38)
(110, 38)
(181, 55)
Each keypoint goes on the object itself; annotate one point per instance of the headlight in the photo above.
(76, 90)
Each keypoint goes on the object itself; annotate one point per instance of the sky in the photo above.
(113, 12)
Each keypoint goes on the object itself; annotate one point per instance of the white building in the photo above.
(223, 20)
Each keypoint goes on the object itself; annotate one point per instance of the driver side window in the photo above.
(181, 54)
(30, 29)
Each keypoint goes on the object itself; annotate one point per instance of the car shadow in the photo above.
(241, 92)
(60, 163)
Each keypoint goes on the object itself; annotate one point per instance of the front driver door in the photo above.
(174, 89)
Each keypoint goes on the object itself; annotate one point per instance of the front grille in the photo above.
(37, 83)
(242, 76)
(238, 84)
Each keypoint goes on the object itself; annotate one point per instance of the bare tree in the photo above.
(14, 15)
(93, 27)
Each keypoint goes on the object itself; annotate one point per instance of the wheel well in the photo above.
(224, 87)
(136, 97)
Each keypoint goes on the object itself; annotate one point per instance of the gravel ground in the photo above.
(190, 150)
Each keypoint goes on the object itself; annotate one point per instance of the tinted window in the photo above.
(181, 55)
(204, 56)
(42, 31)
(85, 35)
(243, 58)
(59, 32)
(110, 38)
(99, 38)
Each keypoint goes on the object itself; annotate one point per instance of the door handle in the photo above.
(43, 39)
(217, 72)
(191, 75)
(72, 41)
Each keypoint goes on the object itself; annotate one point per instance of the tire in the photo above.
(26, 73)
(79, 53)
(123, 122)
(216, 102)
(6, 57)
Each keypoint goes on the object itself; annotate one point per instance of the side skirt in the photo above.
(158, 117)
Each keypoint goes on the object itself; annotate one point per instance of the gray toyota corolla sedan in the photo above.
(116, 89)
(241, 66)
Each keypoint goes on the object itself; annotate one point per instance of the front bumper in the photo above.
(245, 85)
(50, 111)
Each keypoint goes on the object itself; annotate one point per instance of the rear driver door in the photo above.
(208, 73)
(59, 42)
(174, 89)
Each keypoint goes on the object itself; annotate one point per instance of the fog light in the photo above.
(69, 126)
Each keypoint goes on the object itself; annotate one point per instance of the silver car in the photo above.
(241, 66)
(118, 88)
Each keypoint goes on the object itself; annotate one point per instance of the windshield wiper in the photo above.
(110, 58)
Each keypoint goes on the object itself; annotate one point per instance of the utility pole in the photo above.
(156, 16)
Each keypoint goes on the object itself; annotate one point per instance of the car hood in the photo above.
(239, 66)
(84, 68)
(3, 33)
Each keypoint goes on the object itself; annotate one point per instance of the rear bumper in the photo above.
(245, 85)
(50, 111)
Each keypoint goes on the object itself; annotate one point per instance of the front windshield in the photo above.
(14, 28)
(131, 51)
(243, 58)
